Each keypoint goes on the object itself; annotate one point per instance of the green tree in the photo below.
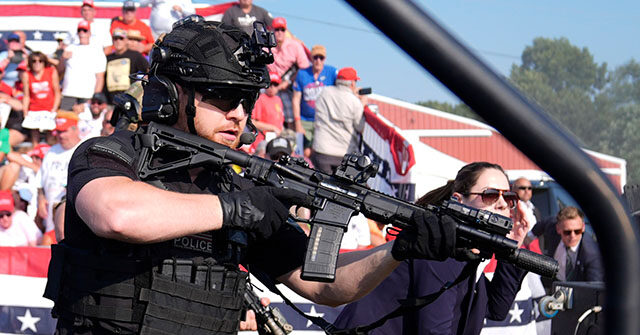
(564, 80)
(619, 107)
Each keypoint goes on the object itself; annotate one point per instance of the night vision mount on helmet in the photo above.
(207, 52)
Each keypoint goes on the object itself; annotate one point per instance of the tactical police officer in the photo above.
(162, 256)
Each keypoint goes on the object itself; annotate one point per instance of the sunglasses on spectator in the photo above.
(227, 98)
(575, 231)
(96, 102)
(5, 213)
(522, 188)
(280, 29)
(82, 30)
(491, 195)
(13, 40)
(118, 38)
(320, 57)
(38, 61)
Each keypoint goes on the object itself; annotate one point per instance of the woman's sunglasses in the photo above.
(491, 195)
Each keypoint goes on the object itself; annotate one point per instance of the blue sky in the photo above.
(498, 30)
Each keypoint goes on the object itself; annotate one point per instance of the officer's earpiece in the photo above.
(160, 101)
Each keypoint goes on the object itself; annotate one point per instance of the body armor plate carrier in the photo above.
(154, 296)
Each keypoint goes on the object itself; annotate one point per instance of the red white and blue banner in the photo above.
(394, 154)
(40, 20)
(23, 310)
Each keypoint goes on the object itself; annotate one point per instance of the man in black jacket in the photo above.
(576, 252)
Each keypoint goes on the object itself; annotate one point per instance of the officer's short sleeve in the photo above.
(102, 157)
(280, 254)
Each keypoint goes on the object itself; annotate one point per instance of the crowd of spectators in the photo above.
(49, 103)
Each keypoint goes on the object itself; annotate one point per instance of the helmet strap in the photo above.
(191, 110)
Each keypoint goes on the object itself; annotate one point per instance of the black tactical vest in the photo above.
(190, 285)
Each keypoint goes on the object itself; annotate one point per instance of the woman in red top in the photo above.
(41, 95)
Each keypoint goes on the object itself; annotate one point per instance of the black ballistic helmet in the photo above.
(208, 53)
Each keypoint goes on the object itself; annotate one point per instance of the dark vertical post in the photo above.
(522, 123)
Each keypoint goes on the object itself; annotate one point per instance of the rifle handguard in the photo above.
(534, 262)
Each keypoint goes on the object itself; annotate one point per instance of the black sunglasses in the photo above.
(5, 213)
(491, 195)
(575, 231)
(117, 38)
(280, 29)
(82, 30)
(522, 188)
(227, 98)
(320, 57)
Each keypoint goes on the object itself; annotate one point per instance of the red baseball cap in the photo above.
(39, 150)
(6, 201)
(279, 22)
(87, 3)
(64, 120)
(84, 25)
(274, 77)
(348, 73)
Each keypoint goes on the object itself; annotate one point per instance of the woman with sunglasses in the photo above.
(462, 308)
(41, 95)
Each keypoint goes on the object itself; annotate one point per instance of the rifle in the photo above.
(336, 198)
(270, 320)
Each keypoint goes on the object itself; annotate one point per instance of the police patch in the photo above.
(197, 242)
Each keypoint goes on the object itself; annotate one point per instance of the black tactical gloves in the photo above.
(260, 210)
(431, 237)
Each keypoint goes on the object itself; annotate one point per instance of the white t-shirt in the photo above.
(163, 16)
(22, 232)
(53, 178)
(81, 69)
(358, 233)
(90, 127)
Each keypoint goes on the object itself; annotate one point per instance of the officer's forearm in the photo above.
(357, 274)
(134, 212)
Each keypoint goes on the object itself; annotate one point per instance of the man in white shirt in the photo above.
(16, 228)
(522, 187)
(90, 123)
(53, 173)
(85, 65)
